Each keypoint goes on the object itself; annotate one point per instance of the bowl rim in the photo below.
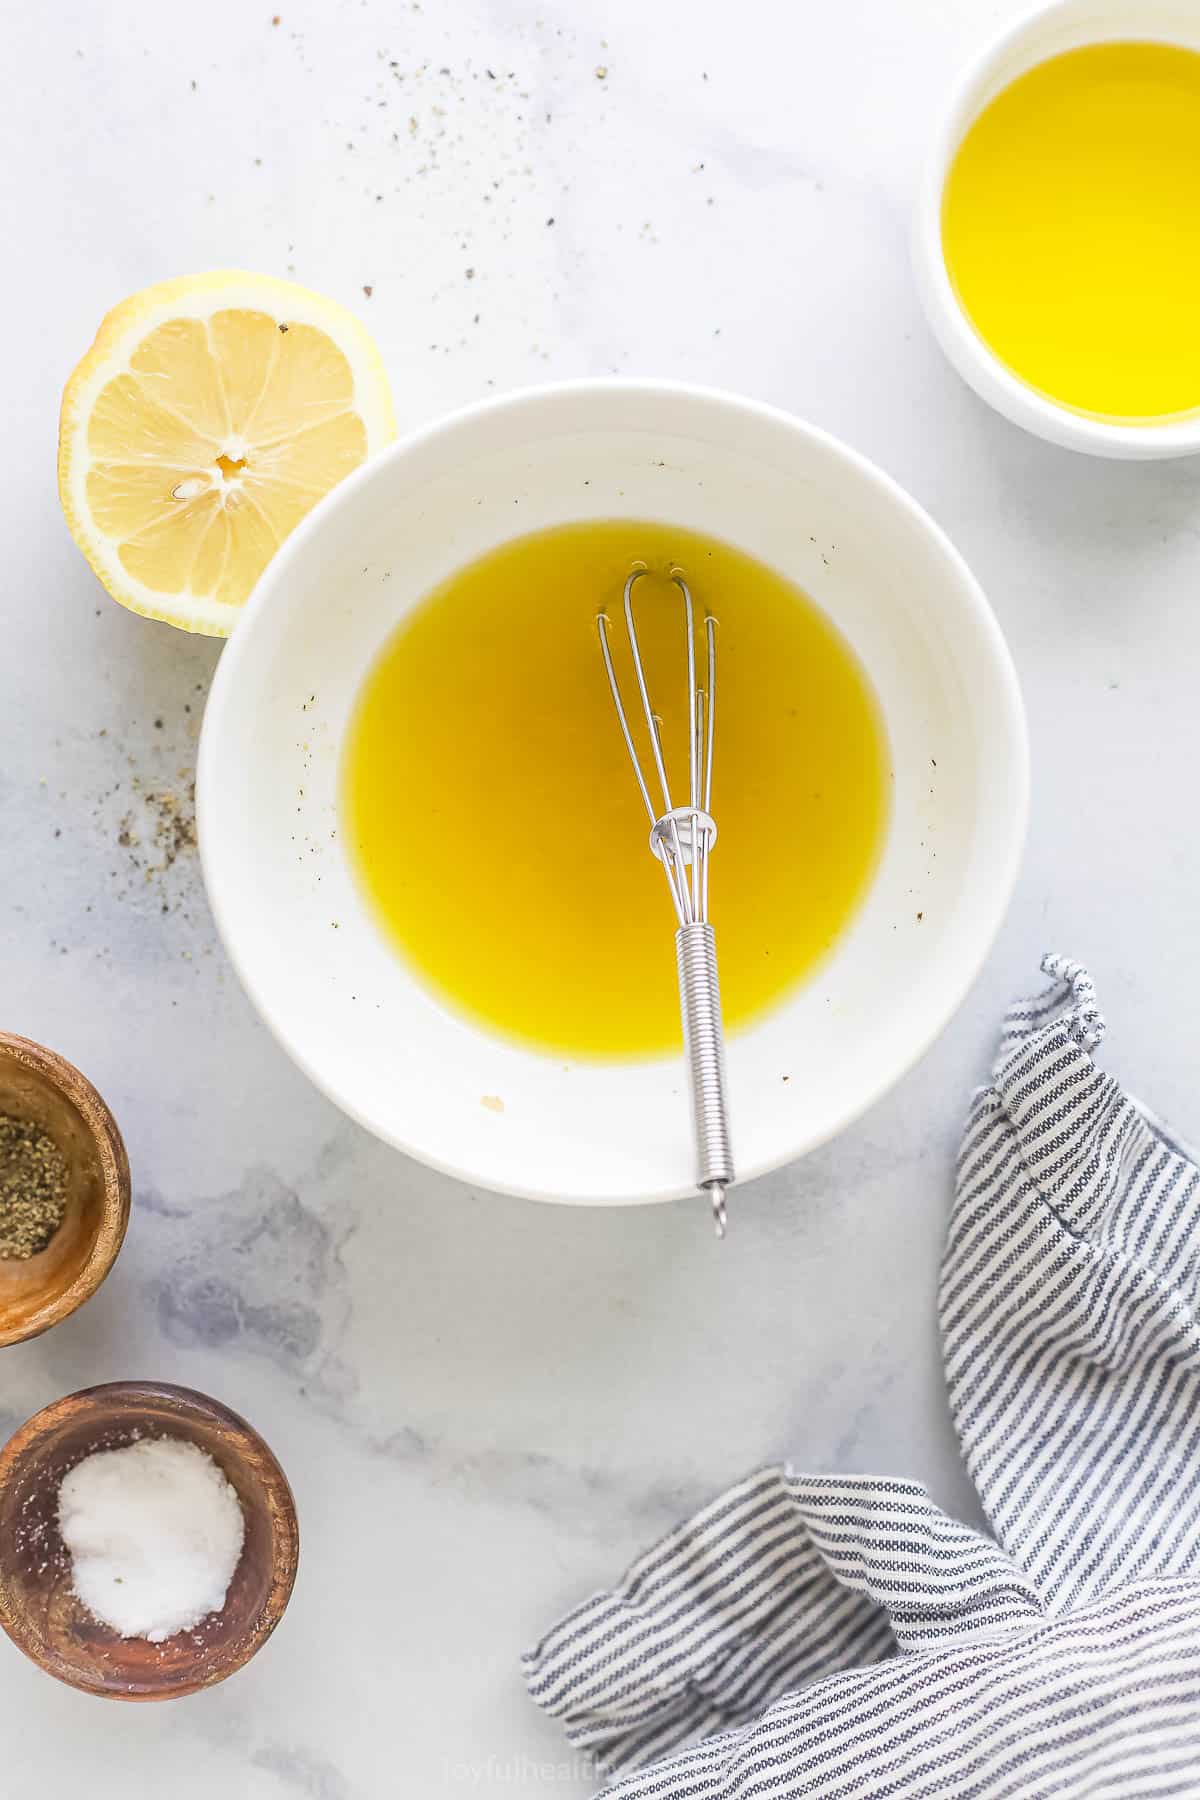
(275, 580)
(105, 1246)
(185, 1402)
(967, 351)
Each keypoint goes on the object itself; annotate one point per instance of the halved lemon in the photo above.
(209, 416)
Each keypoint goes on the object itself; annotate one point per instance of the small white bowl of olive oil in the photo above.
(1056, 243)
(424, 846)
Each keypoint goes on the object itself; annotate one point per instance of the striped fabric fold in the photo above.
(840, 1635)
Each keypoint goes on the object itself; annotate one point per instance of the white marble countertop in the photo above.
(485, 1407)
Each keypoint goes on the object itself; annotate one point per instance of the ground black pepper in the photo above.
(33, 1188)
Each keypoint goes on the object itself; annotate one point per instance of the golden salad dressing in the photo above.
(1071, 228)
(492, 814)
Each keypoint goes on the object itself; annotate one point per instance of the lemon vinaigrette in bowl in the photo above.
(492, 822)
(1069, 229)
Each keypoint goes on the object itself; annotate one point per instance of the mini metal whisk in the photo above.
(682, 838)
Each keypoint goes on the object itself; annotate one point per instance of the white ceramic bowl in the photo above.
(294, 922)
(1045, 33)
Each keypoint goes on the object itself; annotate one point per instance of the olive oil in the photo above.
(1071, 229)
(493, 817)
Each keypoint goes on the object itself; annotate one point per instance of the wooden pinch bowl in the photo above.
(38, 1607)
(37, 1084)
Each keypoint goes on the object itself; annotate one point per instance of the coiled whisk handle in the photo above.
(704, 1053)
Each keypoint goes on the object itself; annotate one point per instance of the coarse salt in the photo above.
(155, 1532)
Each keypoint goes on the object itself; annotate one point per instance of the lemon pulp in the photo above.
(1070, 228)
(494, 820)
(211, 413)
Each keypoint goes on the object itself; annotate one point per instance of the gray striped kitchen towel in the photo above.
(827, 1635)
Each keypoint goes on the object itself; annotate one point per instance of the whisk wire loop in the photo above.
(680, 836)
